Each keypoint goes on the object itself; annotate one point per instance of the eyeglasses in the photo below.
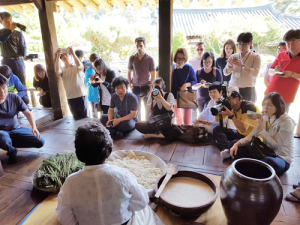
(199, 49)
(242, 45)
(180, 59)
(209, 62)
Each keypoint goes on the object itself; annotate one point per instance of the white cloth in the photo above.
(279, 137)
(170, 100)
(240, 77)
(73, 80)
(195, 63)
(106, 96)
(266, 72)
(145, 217)
(206, 115)
(102, 195)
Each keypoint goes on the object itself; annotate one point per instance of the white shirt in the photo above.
(102, 195)
(106, 96)
(240, 77)
(195, 63)
(73, 80)
(170, 100)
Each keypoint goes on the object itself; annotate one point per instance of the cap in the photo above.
(232, 91)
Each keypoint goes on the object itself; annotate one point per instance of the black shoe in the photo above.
(12, 159)
(119, 134)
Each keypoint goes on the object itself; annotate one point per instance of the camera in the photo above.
(155, 91)
(97, 77)
(32, 56)
(65, 50)
(215, 110)
(110, 124)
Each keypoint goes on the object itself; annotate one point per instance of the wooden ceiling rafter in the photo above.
(91, 5)
(17, 8)
(78, 5)
(185, 3)
(66, 6)
(121, 5)
(152, 4)
(136, 4)
(29, 7)
(7, 8)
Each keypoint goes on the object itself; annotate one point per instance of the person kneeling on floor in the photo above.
(123, 108)
(101, 193)
(12, 135)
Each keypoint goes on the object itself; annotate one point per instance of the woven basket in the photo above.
(32, 178)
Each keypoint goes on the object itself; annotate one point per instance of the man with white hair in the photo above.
(238, 115)
(73, 80)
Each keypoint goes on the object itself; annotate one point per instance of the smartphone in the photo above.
(207, 84)
(65, 50)
(253, 115)
(280, 73)
(235, 57)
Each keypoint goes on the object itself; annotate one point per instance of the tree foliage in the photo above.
(288, 6)
(266, 32)
(179, 40)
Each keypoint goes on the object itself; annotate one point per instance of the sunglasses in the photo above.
(199, 49)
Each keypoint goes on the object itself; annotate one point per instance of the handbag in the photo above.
(259, 150)
(193, 134)
(187, 99)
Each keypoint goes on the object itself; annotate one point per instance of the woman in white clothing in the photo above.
(276, 130)
(99, 193)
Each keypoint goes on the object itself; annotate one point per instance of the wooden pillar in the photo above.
(1, 169)
(298, 127)
(165, 20)
(57, 92)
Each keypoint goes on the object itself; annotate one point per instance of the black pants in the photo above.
(226, 140)
(78, 107)
(17, 66)
(141, 93)
(104, 109)
(45, 100)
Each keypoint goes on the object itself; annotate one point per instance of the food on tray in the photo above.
(54, 170)
(141, 167)
(187, 192)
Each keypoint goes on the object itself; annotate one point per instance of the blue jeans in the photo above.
(141, 93)
(19, 138)
(226, 140)
(124, 126)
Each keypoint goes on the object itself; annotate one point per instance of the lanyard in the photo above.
(268, 125)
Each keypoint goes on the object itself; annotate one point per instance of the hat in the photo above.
(232, 91)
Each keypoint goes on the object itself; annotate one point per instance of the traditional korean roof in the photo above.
(185, 19)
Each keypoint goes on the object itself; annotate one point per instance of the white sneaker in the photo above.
(225, 154)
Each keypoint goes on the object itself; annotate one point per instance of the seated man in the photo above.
(123, 108)
(206, 119)
(100, 193)
(12, 135)
(14, 83)
(238, 115)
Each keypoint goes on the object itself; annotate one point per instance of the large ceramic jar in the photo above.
(250, 192)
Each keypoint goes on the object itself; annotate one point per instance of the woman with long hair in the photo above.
(276, 129)
(40, 82)
(229, 48)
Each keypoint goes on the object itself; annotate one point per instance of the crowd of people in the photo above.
(120, 99)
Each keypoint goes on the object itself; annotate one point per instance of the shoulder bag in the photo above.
(187, 99)
(259, 150)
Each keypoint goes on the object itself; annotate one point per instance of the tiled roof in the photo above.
(186, 18)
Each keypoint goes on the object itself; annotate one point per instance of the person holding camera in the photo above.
(159, 103)
(276, 129)
(207, 74)
(206, 119)
(238, 115)
(183, 78)
(122, 112)
(73, 80)
(13, 49)
(286, 67)
(244, 66)
(102, 79)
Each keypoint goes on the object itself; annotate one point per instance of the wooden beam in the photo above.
(238, 2)
(185, 3)
(7, 8)
(221, 2)
(121, 5)
(57, 92)
(57, 11)
(136, 4)
(203, 2)
(78, 6)
(91, 5)
(17, 8)
(38, 4)
(14, 2)
(65, 6)
(105, 5)
(152, 4)
(165, 20)
(29, 8)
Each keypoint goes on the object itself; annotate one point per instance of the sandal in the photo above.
(292, 197)
(296, 185)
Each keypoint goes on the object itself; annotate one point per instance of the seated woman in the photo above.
(103, 83)
(40, 82)
(276, 128)
(100, 193)
(206, 119)
(158, 105)
(123, 108)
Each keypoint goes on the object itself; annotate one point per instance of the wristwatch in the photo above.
(243, 67)
(230, 117)
(292, 75)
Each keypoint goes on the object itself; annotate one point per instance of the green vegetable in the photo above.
(54, 170)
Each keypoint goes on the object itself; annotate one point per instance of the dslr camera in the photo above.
(155, 91)
(215, 110)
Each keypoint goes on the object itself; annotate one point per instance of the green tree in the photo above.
(266, 32)
(179, 40)
(288, 6)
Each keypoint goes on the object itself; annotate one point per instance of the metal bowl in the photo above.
(189, 211)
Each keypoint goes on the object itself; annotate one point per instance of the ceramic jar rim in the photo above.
(257, 162)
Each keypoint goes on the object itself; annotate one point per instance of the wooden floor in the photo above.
(17, 196)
